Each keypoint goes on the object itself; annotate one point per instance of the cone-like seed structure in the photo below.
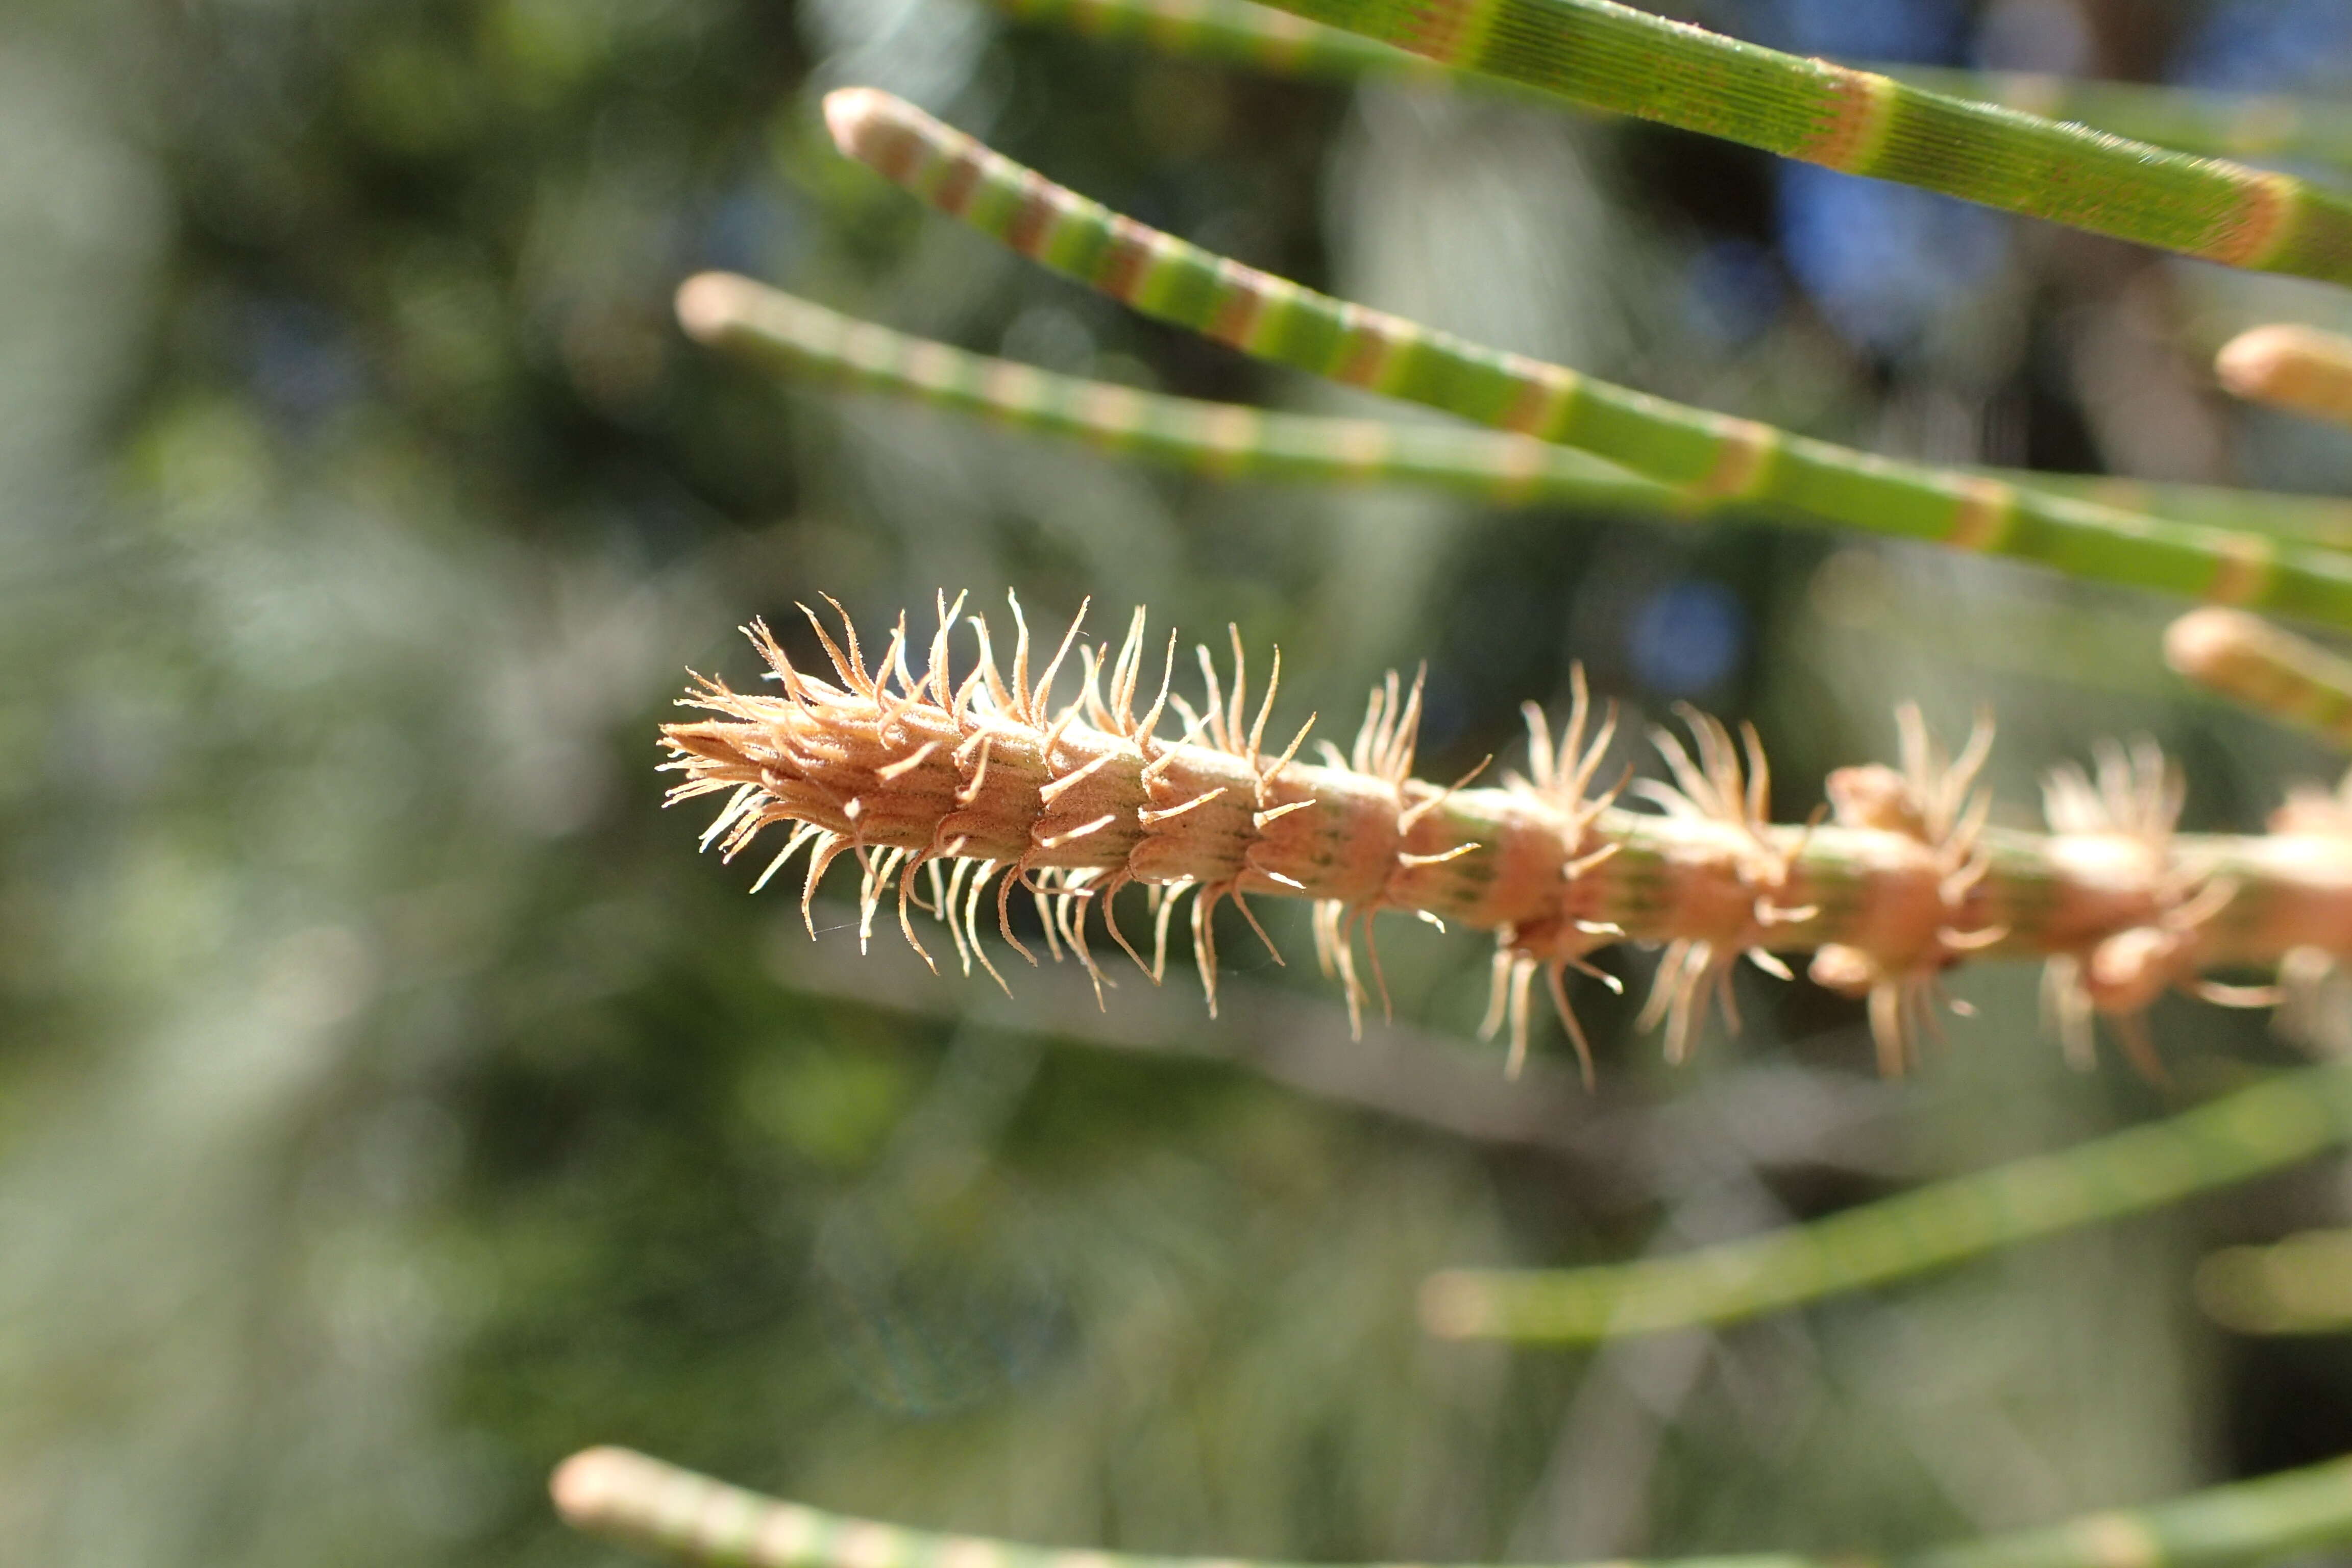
(954, 794)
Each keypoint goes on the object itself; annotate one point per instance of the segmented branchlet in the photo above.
(686, 1518)
(939, 786)
(1716, 456)
(2182, 120)
(1225, 441)
(1604, 56)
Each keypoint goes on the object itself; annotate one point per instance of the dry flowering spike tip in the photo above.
(2268, 669)
(1075, 771)
(2300, 369)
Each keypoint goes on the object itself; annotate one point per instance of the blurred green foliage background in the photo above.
(392, 1102)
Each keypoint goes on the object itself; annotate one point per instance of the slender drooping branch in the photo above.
(1223, 439)
(1230, 441)
(1690, 449)
(638, 1501)
(1610, 56)
(2233, 1139)
(937, 784)
(1238, 32)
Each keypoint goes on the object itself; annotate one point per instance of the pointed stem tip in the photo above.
(710, 304)
(854, 113)
(2297, 368)
(586, 1484)
(2265, 667)
(1454, 1306)
(2202, 643)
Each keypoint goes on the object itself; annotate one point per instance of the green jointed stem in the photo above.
(1223, 439)
(1610, 56)
(1226, 440)
(2241, 1135)
(1241, 33)
(1711, 454)
(660, 1508)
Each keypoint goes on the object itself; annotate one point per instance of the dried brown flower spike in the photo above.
(937, 786)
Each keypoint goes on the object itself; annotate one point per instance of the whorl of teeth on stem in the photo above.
(938, 786)
(1931, 799)
(2121, 819)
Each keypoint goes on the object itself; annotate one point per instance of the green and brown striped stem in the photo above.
(2241, 1135)
(1225, 440)
(1241, 33)
(988, 776)
(635, 1500)
(2272, 671)
(1687, 449)
(1610, 56)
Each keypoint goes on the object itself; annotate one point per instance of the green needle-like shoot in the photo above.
(1704, 454)
(2239, 1136)
(636, 1501)
(1610, 56)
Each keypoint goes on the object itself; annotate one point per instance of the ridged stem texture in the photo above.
(1709, 455)
(1611, 57)
(1238, 32)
